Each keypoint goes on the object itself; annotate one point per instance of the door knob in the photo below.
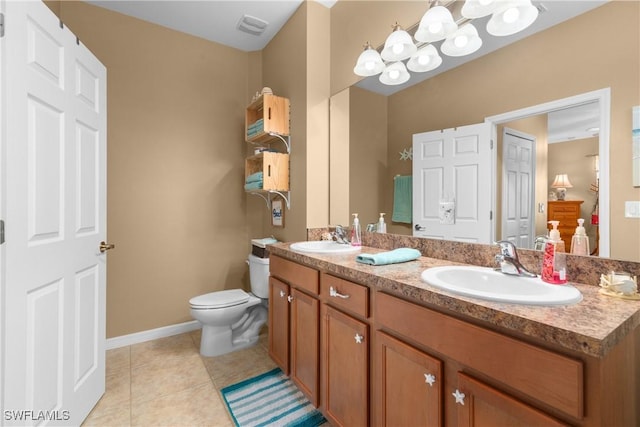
(104, 246)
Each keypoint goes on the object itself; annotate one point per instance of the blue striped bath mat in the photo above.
(270, 399)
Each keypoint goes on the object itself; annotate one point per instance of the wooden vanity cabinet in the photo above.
(345, 351)
(487, 406)
(409, 385)
(368, 358)
(514, 368)
(294, 330)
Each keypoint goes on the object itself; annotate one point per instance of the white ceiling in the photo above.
(214, 20)
(217, 21)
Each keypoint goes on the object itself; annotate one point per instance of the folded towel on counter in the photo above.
(402, 199)
(253, 186)
(254, 177)
(391, 257)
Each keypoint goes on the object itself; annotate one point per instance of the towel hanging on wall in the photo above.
(402, 199)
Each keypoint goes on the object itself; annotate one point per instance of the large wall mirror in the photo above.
(526, 87)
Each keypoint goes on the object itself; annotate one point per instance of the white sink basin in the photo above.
(488, 284)
(324, 247)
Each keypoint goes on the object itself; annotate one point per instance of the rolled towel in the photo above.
(253, 186)
(391, 257)
(255, 177)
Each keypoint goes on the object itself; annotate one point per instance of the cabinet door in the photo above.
(305, 331)
(483, 405)
(279, 323)
(410, 385)
(346, 373)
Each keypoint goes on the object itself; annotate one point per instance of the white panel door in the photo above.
(518, 176)
(54, 110)
(453, 165)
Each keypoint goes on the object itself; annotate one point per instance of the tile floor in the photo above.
(166, 382)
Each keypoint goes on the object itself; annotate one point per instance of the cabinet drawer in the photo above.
(345, 294)
(295, 274)
(548, 377)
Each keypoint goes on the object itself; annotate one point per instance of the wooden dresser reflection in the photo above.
(567, 212)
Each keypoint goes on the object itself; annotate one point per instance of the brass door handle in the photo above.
(104, 246)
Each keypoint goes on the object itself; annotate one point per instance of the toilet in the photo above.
(231, 319)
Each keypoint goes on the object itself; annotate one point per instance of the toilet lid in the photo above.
(220, 299)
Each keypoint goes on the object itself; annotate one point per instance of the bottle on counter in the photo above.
(356, 239)
(580, 240)
(382, 226)
(554, 263)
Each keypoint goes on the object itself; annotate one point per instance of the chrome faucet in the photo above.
(509, 262)
(340, 235)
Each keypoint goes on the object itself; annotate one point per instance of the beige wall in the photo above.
(368, 149)
(358, 156)
(553, 64)
(175, 166)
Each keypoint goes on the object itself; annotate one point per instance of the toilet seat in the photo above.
(220, 299)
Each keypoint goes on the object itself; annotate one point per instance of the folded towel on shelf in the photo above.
(254, 177)
(402, 199)
(391, 257)
(253, 185)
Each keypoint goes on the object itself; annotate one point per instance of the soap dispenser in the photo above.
(382, 226)
(580, 240)
(554, 235)
(554, 263)
(355, 231)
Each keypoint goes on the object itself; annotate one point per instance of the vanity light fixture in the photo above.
(399, 45)
(425, 59)
(436, 24)
(459, 35)
(561, 183)
(395, 74)
(512, 16)
(369, 62)
(473, 9)
(465, 41)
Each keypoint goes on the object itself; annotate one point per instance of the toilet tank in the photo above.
(259, 276)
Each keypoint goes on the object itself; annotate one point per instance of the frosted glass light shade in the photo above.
(463, 42)
(394, 74)
(369, 63)
(398, 46)
(512, 16)
(425, 59)
(436, 24)
(478, 8)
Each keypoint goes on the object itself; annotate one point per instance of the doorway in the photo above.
(603, 98)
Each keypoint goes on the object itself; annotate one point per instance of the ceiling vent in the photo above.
(252, 25)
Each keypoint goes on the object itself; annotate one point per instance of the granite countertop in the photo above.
(593, 326)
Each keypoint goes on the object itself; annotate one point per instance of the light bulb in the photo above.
(485, 2)
(435, 28)
(424, 59)
(397, 48)
(394, 74)
(461, 41)
(511, 15)
(369, 65)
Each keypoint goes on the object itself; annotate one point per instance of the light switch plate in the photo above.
(632, 209)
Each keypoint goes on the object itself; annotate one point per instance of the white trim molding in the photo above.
(152, 334)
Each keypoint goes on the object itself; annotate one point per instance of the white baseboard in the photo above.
(152, 334)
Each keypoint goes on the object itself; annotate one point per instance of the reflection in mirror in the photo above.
(528, 72)
(569, 153)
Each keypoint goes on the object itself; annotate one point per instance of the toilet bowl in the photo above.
(231, 319)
